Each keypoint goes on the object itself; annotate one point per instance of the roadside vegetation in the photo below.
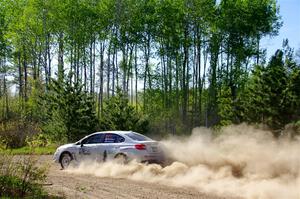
(21, 177)
(161, 67)
(26, 150)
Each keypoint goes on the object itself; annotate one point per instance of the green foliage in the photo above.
(21, 178)
(13, 133)
(119, 115)
(203, 51)
(271, 96)
(27, 150)
(292, 94)
(163, 121)
(33, 111)
(11, 186)
(70, 111)
(225, 107)
(38, 140)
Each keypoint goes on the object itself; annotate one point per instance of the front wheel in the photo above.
(65, 160)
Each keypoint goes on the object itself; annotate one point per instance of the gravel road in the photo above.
(60, 182)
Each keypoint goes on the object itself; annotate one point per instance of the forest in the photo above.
(69, 68)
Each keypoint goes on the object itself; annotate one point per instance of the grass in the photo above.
(23, 178)
(26, 150)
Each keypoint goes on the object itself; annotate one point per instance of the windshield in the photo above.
(79, 141)
(138, 137)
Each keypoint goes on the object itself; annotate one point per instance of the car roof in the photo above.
(117, 132)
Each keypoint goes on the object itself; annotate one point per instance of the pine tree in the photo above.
(119, 115)
(70, 111)
(272, 94)
(225, 107)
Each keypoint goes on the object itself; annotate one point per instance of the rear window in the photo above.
(113, 138)
(137, 137)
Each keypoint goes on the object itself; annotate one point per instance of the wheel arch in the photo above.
(121, 153)
(65, 152)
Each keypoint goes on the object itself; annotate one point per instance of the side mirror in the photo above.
(81, 144)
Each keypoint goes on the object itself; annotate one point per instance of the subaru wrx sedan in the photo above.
(122, 146)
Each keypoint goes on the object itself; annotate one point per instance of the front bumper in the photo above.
(56, 157)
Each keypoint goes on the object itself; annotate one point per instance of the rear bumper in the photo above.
(144, 156)
(153, 161)
(153, 158)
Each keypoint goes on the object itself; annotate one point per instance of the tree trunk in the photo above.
(20, 76)
(35, 58)
(60, 57)
(177, 81)
(49, 57)
(84, 68)
(129, 68)
(185, 75)
(91, 65)
(113, 72)
(25, 74)
(108, 71)
(214, 47)
(100, 98)
(258, 51)
(94, 66)
(136, 77)
(77, 63)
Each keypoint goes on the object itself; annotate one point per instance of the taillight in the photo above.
(140, 146)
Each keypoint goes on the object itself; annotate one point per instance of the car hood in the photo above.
(65, 146)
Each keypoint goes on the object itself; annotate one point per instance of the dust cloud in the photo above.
(244, 162)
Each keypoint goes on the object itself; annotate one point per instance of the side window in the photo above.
(94, 139)
(113, 138)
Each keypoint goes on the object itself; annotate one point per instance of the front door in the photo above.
(91, 148)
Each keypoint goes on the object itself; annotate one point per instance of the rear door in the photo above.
(112, 142)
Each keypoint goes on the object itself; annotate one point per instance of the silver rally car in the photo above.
(101, 146)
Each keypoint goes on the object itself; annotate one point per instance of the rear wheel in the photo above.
(121, 158)
(65, 160)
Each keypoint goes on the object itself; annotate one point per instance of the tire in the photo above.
(121, 158)
(65, 160)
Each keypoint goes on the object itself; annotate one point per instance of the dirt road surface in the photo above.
(59, 182)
